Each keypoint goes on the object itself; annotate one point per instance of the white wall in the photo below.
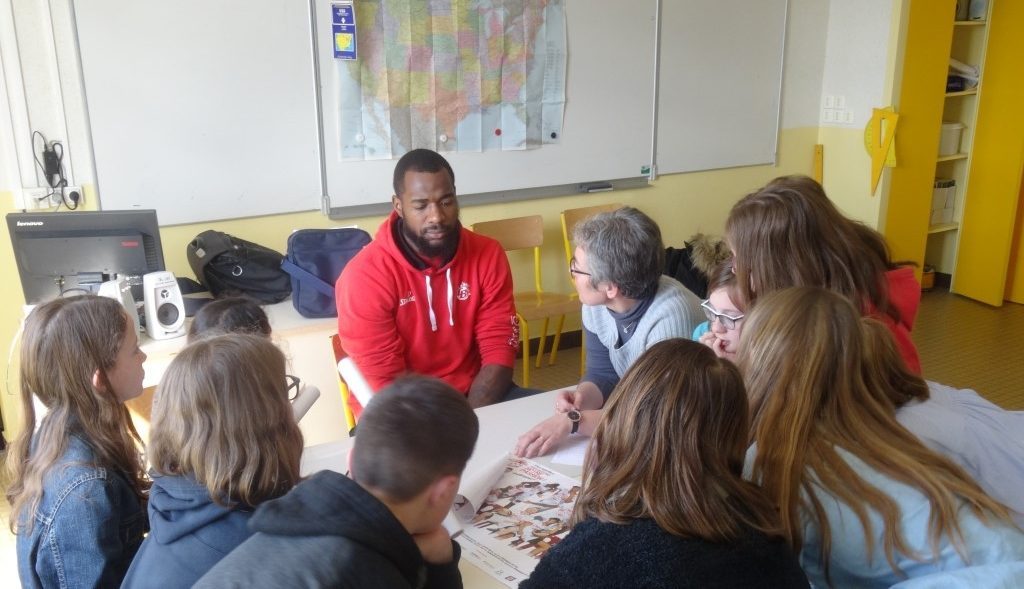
(856, 56)
(42, 91)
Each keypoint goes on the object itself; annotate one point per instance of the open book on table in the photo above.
(510, 514)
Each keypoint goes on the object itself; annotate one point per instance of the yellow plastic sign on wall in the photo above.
(880, 141)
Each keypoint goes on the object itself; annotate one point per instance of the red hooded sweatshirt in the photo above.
(444, 322)
(904, 296)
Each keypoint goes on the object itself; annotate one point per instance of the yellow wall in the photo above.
(847, 173)
(683, 204)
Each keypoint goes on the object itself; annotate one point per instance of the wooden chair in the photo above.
(522, 233)
(348, 401)
(570, 217)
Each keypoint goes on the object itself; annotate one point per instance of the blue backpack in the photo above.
(315, 259)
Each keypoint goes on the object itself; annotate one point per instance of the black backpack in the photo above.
(315, 259)
(227, 266)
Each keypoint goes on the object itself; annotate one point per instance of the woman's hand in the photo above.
(544, 437)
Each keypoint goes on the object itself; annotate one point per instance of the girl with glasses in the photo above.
(721, 332)
(223, 440)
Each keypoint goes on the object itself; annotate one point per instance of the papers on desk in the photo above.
(572, 451)
(511, 515)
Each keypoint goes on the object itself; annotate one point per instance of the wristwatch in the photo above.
(575, 417)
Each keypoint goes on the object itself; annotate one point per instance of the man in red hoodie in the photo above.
(429, 296)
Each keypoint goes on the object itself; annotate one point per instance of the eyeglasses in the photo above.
(727, 321)
(574, 271)
(294, 386)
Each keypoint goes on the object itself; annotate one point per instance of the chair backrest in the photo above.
(570, 217)
(349, 403)
(515, 234)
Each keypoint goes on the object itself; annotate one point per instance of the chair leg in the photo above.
(524, 329)
(583, 357)
(543, 340)
(558, 340)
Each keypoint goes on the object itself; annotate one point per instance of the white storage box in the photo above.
(949, 138)
(944, 194)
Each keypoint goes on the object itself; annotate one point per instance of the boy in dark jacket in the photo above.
(381, 527)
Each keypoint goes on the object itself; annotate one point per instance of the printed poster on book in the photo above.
(513, 516)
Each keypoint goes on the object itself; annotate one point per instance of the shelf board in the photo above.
(943, 227)
(969, 92)
(949, 158)
(969, 23)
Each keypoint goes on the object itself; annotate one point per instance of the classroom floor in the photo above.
(960, 341)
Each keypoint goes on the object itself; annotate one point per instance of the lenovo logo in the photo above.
(30, 224)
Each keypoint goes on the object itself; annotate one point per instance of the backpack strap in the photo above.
(303, 275)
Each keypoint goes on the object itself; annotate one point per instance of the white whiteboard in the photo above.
(208, 110)
(720, 81)
(201, 109)
(608, 130)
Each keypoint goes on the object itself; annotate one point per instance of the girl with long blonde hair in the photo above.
(861, 498)
(223, 440)
(663, 501)
(981, 437)
(78, 489)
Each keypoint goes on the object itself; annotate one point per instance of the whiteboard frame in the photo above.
(592, 145)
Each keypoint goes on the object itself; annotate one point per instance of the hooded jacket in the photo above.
(905, 297)
(329, 532)
(188, 534)
(446, 322)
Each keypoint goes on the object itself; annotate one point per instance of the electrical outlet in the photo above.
(33, 198)
(56, 198)
(36, 198)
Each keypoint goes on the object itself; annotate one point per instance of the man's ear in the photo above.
(396, 204)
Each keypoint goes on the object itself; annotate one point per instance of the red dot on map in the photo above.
(497, 132)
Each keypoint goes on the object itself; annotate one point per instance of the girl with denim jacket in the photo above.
(78, 487)
(223, 440)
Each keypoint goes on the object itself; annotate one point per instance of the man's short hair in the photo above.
(416, 430)
(623, 247)
(419, 160)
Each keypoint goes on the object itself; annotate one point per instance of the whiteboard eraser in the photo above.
(599, 187)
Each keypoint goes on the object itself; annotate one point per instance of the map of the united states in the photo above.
(453, 75)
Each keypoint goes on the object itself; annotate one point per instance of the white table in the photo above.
(500, 425)
(306, 344)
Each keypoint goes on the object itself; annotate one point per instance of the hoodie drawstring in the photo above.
(430, 301)
(451, 316)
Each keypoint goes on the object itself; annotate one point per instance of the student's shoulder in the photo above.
(267, 560)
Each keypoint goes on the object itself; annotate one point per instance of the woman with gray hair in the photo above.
(628, 306)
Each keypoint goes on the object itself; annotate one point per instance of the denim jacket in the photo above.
(87, 528)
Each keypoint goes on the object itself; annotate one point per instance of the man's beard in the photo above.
(444, 250)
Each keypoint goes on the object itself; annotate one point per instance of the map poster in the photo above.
(510, 526)
(451, 75)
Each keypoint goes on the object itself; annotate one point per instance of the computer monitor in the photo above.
(65, 253)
